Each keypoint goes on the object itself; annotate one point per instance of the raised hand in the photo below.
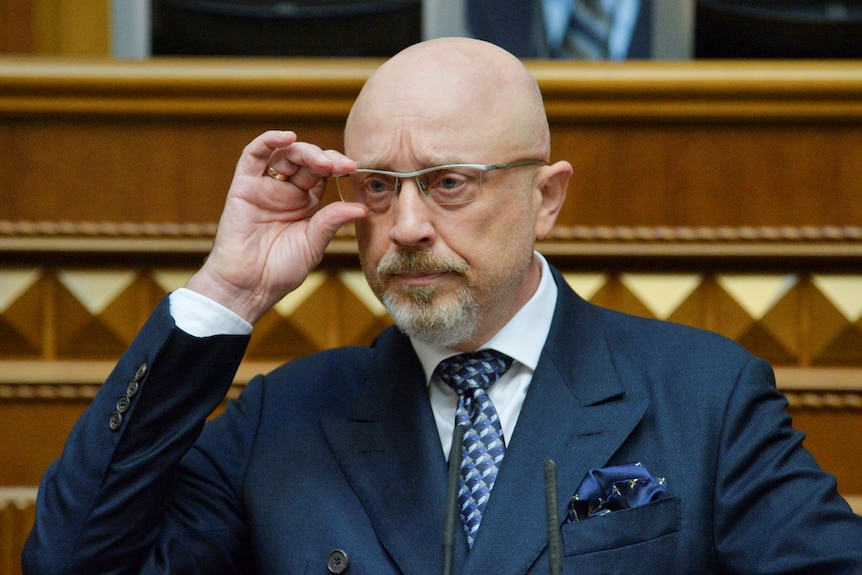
(272, 231)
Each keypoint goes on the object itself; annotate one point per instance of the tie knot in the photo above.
(475, 370)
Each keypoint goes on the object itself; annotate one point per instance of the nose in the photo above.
(411, 211)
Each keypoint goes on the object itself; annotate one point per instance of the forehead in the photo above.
(444, 114)
(407, 136)
(445, 102)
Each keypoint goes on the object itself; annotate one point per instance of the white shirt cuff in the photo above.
(199, 316)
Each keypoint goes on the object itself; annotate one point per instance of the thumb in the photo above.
(329, 219)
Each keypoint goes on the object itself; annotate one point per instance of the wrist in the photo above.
(243, 303)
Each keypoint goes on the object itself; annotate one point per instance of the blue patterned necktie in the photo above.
(471, 374)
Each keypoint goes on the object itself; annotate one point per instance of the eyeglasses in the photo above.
(446, 185)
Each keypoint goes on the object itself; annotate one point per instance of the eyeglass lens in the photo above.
(446, 186)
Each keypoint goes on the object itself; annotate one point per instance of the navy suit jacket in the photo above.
(339, 451)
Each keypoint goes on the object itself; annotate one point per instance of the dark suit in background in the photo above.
(521, 28)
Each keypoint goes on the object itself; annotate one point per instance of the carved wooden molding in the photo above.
(671, 91)
(276, 88)
(106, 229)
(722, 234)
(129, 237)
(65, 229)
(813, 400)
(18, 497)
(190, 87)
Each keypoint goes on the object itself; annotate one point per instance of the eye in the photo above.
(450, 182)
(445, 180)
(372, 189)
(453, 186)
(377, 185)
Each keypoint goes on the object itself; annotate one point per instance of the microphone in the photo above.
(555, 554)
(453, 484)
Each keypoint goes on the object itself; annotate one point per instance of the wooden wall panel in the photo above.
(55, 27)
(808, 324)
(833, 435)
(140, 169)
(698, 173)
(724, 197)
(16, 27)
(34, 431)
(17, 513)
(700, 144)
(177, 171)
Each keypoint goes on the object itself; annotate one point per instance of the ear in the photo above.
(552, 183)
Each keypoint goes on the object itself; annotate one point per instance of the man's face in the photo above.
(449, 275)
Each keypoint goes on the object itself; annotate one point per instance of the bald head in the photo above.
(453, 275)
(450, 99)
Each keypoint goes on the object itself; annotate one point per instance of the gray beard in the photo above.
(437, 323)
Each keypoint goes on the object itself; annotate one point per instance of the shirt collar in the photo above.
(522, 338)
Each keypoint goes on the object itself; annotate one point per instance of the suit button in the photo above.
(337, 561)
(123, 404)
(133, 388)
(115, 421)
(142, 371)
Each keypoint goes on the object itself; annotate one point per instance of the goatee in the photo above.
(429, 313)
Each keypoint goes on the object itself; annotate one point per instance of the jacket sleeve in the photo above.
(101, 505)
(776, 510)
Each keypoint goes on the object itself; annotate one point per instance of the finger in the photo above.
(256, 154)
(305, 165)
(341, 164)
(275, 174)
(329, 219)
(315, 178)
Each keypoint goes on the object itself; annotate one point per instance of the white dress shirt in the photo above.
(522, 339)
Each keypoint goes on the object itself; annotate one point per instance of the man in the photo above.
(337, 462)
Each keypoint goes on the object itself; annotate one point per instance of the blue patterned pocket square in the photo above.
(614, 488)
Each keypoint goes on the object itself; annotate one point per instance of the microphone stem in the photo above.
(453, 484)
(555, 554)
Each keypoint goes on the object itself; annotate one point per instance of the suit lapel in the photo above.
(390, 452)
(577, 412)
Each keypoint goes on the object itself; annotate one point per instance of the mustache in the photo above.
(417, 260)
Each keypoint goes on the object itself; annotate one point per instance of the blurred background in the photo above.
(578, 29)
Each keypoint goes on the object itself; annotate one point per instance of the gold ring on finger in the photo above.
(273, 173)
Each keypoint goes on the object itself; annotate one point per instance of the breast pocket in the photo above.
(622, 528)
